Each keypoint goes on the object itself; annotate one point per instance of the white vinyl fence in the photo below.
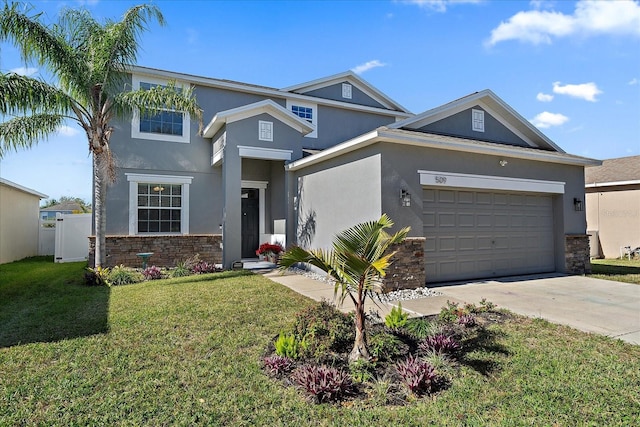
(67, 238)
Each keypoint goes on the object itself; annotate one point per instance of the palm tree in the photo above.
(89, 64)
(357, 263)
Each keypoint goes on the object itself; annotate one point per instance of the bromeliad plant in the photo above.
(358, 261)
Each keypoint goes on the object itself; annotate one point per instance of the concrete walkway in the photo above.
(591, 305)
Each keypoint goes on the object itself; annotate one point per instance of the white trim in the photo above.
(264, 153)
(267, 106)
(612, 183)
(477, 120)
(265, 130)
(314, 115)
(23, 189)
(488, 182)
(261, 186)
(347, 91)
(135, 120)
(135, 178)
(269, 92)
(423, 140)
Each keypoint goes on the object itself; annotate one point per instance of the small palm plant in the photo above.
(358, 262)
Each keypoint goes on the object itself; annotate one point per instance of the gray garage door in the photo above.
(477, 234)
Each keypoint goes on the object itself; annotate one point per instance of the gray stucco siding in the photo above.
(337, 125)
(334, 92)
(337, 196)
(245, 133)
(459, 124)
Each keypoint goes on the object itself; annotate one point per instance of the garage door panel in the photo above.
(483, 234)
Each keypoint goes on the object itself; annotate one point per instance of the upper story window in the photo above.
(161, 125)
(309, 112)
(346, 90)
(265, 130)
(477, 120)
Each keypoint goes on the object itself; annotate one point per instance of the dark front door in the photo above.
(250, 222)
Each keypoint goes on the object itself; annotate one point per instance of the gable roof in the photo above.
(263, 90)
(23, 189)
(619, 171)
(353, 79)
(250, 110)
(420, 139)
(495, 106)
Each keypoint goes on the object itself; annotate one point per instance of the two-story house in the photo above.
(486, 193)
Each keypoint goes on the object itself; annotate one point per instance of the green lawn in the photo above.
(621, 270)
(187, 352)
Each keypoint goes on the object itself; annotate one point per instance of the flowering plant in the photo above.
(269, 248)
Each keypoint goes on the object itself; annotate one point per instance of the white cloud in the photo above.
(438, 5)
(359, 69)
(544, 97)
(67, 131)
(546, 120)
(24, 71)
(586, 91)
(633, 82)
(589, 18)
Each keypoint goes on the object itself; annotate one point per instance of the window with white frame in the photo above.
(308, 112)
(163, 124)
(265, 130)
(346, 90)
(158, 204)
(477, 120)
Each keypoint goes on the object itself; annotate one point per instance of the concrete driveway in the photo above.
(591, 305)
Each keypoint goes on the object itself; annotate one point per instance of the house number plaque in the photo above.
(441, 179)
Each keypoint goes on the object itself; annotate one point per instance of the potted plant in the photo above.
(270, 251)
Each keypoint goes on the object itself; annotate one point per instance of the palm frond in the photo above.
(25, 95)
(169, 97)
(26, 131)
(45, 46)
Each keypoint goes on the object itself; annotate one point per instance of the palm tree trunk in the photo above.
(99, 209)
(360, 350)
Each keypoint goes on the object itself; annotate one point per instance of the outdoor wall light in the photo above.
(577, 204)
(503, 163)
(405, 198)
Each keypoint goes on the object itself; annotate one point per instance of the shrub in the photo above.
(396, 318)
(422, 328)
(269, 248)
(324, 328)
(152, 273)
(451, 312)
(121, 275)
(289, 346)
(277, 365)
(96, 276)
(362, 370)
(203, 267)
(439, 343)
(467, 320)
(386, 346)
(181, 270)
(419, 376)
(323, 383)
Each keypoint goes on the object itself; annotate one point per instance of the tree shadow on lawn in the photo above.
(42, 302)
(613, 270)
(485, 352)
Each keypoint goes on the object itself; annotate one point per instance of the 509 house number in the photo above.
(441, 179)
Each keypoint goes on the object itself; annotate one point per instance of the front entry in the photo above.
(250, 222)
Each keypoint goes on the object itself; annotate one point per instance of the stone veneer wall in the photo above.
(167, 250)
(407, 270)
(576, 254)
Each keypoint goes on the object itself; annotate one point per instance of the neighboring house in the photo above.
(49, 214)
(486, 193)
(19, 223)
(613, 206)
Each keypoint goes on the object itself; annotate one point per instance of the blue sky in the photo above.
(570, 67)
